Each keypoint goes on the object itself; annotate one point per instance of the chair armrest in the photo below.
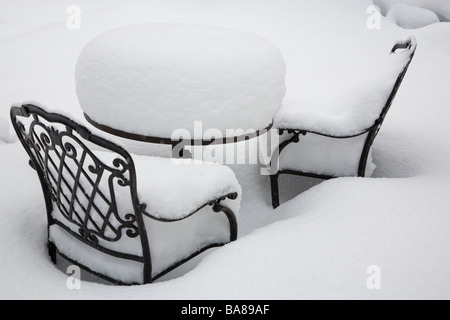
(304, 132)
(214, 202)
(409, 45)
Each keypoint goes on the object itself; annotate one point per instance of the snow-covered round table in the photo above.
(150, 81)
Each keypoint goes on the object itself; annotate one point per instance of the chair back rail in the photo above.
(410, 45)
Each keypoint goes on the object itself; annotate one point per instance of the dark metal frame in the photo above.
(177, 145)
(372, 131)
(51, 144)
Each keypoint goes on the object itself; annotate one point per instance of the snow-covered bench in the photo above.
(334, 139)
(129, 219)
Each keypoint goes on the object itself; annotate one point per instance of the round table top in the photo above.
(166, 80)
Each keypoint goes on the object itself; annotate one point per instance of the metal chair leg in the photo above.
(52, 251)
(275, 191)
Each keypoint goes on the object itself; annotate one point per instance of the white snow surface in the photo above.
(20, 16)
(326, 156)
(349, 106)
(411, 17)
(175, 188)
(440, 7)
(321, 243)
(152, 79)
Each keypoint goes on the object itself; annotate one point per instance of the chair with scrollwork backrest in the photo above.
(314, 146)
(95, 217)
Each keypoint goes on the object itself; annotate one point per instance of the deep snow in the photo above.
(411, 17)
(137, 77)
(322, 242)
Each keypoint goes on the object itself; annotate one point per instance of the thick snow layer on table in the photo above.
(152, 79)
(411, 17)
(318, 245)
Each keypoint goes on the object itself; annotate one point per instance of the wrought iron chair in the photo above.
(92, 197)
(300, 145)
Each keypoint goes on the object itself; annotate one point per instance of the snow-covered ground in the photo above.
(321, 243)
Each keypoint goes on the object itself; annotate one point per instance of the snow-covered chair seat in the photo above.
(129, 219)
(333, 137)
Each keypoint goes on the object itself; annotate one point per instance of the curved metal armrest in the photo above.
(410, 45)
(304, 132)
(213, 203)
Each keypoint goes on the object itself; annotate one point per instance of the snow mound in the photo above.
(440, 7)
(152, 79)
(410, 17)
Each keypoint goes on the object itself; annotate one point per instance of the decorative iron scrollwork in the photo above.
(87, 235)
(79, 193)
